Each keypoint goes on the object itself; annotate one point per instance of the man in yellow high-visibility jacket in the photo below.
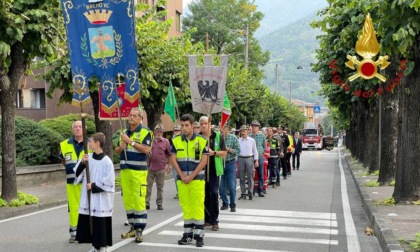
(189, 156)
(135, 143)
(71, 151)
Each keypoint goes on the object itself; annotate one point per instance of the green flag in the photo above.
(170, 103)
(226, 110)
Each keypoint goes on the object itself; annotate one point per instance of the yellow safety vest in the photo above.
(135, 159)
(71, 158)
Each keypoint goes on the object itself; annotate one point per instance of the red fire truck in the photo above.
(312, 136)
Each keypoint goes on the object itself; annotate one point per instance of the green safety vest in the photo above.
(218, 161)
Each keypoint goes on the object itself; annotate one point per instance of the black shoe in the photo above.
(147, 207)
(285, 177)
(200, 242)
(224, 207)
(294, 168)
(261, 195)
(185, 240)
(243, 197)
(265, 191)
(250, 197)
(159, 207)
(277, 184)
(233, 209)
(298, 168)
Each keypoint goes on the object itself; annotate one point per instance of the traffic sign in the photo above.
(317, 109)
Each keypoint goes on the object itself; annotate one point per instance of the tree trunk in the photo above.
(389, 136)
(103, 126)
(9, 81)
(153, 114)
(372, 136)
(407, 180)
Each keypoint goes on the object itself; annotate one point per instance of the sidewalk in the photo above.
(391, 224)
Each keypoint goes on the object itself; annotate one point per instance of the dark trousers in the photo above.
(288, 156)
(274, 170)
(211, 200)
(283, 165)
(297, 156)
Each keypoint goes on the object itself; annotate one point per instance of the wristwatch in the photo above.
(133, 143)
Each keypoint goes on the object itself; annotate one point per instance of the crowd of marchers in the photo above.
(205, 160)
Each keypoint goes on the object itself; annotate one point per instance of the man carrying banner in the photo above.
(189, 156)
(136, 141)
(71, 151)
(217, 153)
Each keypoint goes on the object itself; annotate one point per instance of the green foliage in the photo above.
(386, 202)
(415, 245)
(62, 124)
(3, 203)
(392, 183)
(372, 184)
(23, 199)
(118, 181)
(416, 202)
(35, 144)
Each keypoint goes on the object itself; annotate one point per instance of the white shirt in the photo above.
(102, 174)
(248, 147)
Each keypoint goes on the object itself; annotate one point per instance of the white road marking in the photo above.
(149, 230)
(352, 239)
(212, 248)
(34, 213)
(278, 213)
(257, 238)
(274, 228)
(274, 220)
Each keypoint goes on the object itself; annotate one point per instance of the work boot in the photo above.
(200, 242)
(250, 196)
(129, 234)
(233, 209)
(186, 239)
(215, 227)
(224, 207)
(274, 185)
(139, 235)
(72, 239)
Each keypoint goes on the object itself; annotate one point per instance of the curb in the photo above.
(383, 232)
(11, 212)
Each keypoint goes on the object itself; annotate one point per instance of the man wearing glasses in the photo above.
(134, 146)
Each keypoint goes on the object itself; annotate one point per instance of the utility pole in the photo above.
(290, 92)
(277, 78)
(207, 43)
(246, 46)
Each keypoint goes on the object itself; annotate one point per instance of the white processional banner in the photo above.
(207, 84)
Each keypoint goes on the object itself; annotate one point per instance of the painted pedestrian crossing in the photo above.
(250, 227)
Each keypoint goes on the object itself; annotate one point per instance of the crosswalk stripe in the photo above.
(274, 220)
(258, 238)
(212, 248)
(277, 213)
(273, 228)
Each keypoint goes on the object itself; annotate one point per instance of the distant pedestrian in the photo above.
(275, 153)
(247, 161)
(297, 142)
(176, 132)
(101, 189)
(136, 141)
(290, 150)
(71, 152)
(197, 128)
(285, 143)
(261, 146)
(228, 179)
(217, 152)
(189, 155)
(158, 166)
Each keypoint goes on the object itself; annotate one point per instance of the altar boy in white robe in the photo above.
(101, 188)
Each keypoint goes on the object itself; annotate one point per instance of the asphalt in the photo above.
(391, 224)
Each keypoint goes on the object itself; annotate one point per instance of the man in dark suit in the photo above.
(297, 142)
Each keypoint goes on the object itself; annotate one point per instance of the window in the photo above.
(159, 9)
(19, 99)
(38, 98)
(178, 21)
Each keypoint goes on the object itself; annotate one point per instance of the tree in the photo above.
(398, 34)
(27, 30)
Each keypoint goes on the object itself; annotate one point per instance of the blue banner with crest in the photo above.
(101, 39)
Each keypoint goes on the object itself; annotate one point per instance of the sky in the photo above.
(185, 3)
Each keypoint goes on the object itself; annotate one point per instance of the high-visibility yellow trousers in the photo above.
(73, 198)
(134, 188)
(191, 199)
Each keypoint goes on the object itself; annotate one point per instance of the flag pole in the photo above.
(119, 112)
(80, 90)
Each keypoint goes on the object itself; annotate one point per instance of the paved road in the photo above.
(316, 209)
